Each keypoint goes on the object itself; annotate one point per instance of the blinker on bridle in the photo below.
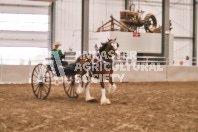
(110, 42)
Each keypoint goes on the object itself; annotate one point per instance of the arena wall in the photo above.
(15, 73)
(22, 74)
(68, 19)
(145, 43)
(169, 73)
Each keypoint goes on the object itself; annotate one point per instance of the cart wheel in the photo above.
(70, 88)
(150, 23)
(41, 81)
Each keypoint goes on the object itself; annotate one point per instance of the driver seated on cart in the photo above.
(58, 55)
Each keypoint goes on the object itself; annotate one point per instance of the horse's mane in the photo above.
(104, 45)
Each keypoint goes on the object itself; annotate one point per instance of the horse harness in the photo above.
(99, 59)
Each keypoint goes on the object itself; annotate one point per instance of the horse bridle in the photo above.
(98, 57)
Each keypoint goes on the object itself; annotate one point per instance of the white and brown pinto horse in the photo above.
(99, 66)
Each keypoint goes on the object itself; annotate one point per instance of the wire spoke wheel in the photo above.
(70, 88)
(41, 81)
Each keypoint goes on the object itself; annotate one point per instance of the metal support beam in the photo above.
(165, 27)
(85, 26)
(52, 25)
(194, 29)
(127, 5)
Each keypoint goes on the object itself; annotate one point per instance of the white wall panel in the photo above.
(24, 9)
(24, 3)
(146, 43)
(68, 19)
(19, 35)
(20, 31)
(181, 14)
(24, 43)
(68, 24)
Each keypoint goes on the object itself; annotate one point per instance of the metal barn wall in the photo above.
(18, 37)
(101, 10)
(181, 14)
(68, 24)
(68, 19)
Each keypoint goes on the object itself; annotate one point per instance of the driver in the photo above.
(56, 50)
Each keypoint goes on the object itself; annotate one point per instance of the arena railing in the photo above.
(143, 60)
(71, 58)
(176, 61)
(194, 60)
(30, 63)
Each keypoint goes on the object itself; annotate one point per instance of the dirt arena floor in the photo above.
(135, 107)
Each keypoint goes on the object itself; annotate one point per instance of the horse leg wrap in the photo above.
(88, 96)
(112, 88)
(79, 89)
(104, 100)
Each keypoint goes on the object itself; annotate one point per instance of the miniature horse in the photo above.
(99, 66)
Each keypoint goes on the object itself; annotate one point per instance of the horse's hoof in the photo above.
(92, 99)
(79, 90)
(105, 102)
(112, 88)
(109, 89)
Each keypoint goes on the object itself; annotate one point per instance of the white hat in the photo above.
(57, 43)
